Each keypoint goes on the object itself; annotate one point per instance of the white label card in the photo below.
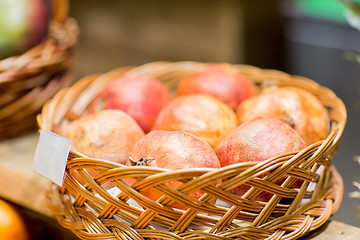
(51, 156)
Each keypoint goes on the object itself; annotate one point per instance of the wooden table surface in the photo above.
(21, 185)
(18, 182)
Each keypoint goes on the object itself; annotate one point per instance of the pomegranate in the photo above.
(142, 97)
(257, 140)
(199, 114)
(220, 80)
(298, 106)
(108, 135)
(172, 150)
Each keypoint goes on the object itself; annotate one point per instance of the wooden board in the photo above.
(334, 230)
(18, 182)
(21, 185)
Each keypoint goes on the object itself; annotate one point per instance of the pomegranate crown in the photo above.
(141, 161)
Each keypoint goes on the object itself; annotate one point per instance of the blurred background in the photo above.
(310, 38)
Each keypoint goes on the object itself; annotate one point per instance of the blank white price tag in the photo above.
(51, 156)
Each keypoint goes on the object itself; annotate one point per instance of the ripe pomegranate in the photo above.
(257, 140)
(173, 150)
(199, 114)
(220, 80)
(142, 97)
(107, 135)
(300, 107)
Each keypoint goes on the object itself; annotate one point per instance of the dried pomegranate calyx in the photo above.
(141, 161)
(289, 120)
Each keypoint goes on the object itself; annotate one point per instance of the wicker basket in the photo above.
(28, 80)
(91, 212)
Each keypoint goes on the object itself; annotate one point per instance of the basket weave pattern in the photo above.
(92, 212)
(28, 80)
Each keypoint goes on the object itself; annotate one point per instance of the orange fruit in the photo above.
(12, 225)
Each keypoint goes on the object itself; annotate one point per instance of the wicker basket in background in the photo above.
(28, 80)
(91, 212)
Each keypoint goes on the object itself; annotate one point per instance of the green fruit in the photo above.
(13, 19)
(23, 24)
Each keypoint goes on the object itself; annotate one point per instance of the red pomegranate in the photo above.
(173, 150)
(298, 106)
(257, 140)
(142, 97)
(199, 114)
(220, 80)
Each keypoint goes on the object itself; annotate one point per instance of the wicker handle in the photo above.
(60, 10)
